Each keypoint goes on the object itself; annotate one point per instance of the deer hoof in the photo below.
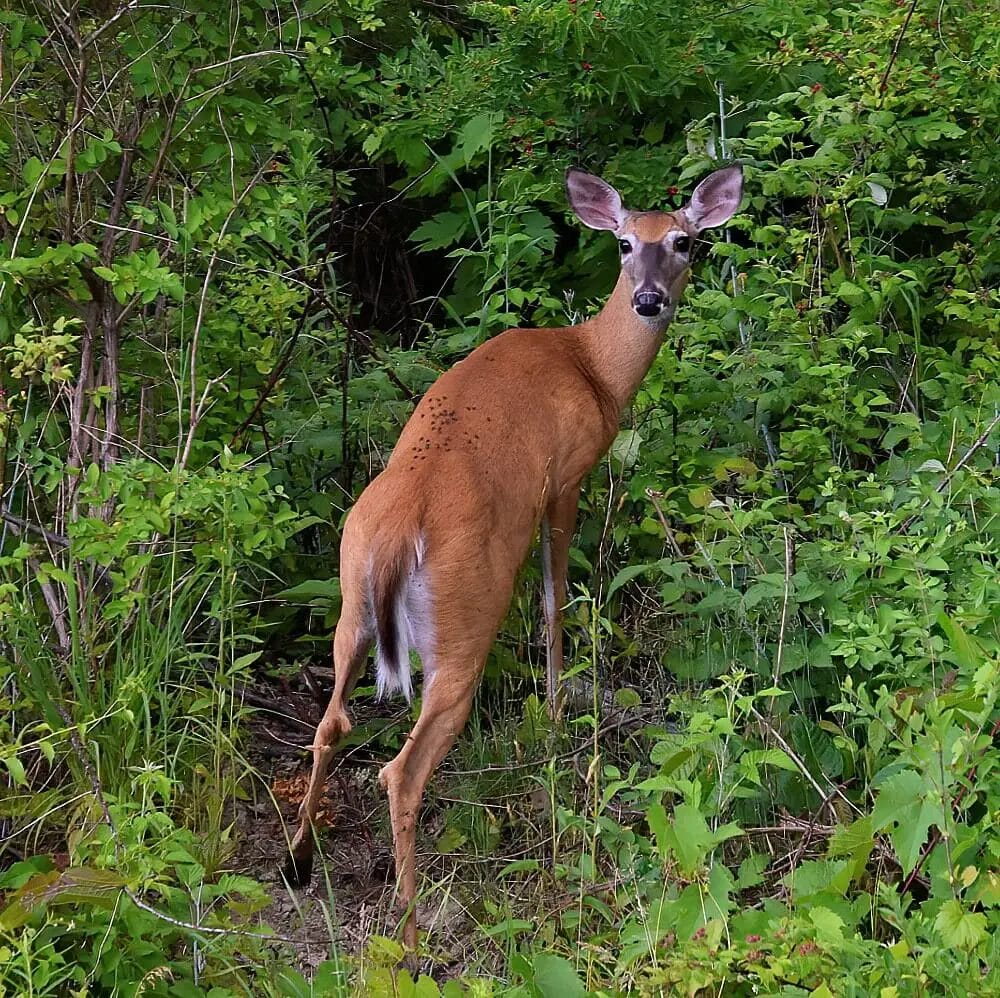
(297, 871)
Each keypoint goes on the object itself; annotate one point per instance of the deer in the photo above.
(494, 454)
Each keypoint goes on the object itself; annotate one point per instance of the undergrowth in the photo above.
(237, 245)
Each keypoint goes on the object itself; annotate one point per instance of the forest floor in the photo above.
(351, 895)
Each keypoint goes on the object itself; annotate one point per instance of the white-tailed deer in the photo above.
(498, 446)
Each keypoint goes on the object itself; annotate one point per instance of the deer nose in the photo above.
(648, 303)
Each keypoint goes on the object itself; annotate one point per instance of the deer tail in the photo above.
(392, 571)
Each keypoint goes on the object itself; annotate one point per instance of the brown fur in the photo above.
(499, 443)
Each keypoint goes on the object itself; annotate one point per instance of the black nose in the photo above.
(648, 303)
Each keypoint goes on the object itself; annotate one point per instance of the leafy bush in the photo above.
(232, 257)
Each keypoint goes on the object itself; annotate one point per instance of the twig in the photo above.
(803, 769)
(200, 317)
(789, 562)
(56, 610)
(274, 707)
(197, 414)
(276, 372)
(653, 497)
(95, 784)
(936, 834)
(946, 481)
(34, 528)
(883, 86)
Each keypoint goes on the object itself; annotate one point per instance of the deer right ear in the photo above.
(597, 204)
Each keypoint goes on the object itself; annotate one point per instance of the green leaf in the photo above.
(700, 497)
(445, 229)
(624, 575)
(656, 818)
(32, 170)
(627, 697)
(903, 800)
(897, 798)
(509, 927)
(958, 928)
(75, 886)
(555, 977)
(963, 649)
(477, 136)
(829, 926)
(312, 589)
(692, 838)
(879, 194)
(625, 449)
(814, 877)
(849, 292)
(16, 769)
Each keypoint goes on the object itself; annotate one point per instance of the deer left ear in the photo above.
(716, 198)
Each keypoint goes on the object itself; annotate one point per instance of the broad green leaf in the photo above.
(555, 977)
(959, 928)
(692, 838)
(963, 649)
(903, 800)
(829, 926)
(32, 170)
(476, 136)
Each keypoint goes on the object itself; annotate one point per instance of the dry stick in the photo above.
(277, 372)
(836, 791)
(653, 496)
(200, 318)
(154, 175)
(884, 85)
(81, 86)
(56, 610)
(128, 8)
(765, 431)
(946, 481)
(34, 528)
(789, 562)
(197, 414)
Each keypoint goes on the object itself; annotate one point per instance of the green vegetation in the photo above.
(238, 241)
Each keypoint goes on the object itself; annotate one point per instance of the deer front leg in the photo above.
(557, 533)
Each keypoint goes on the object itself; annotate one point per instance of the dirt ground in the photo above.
(351, 895)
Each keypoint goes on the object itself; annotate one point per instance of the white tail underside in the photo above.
(412, 611)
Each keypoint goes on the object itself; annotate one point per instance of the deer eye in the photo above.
(682, 244)
(625, 246)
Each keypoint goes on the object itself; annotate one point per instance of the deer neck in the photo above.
(620, 346)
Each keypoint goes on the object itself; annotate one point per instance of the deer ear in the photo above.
(596, 203)
(716, 198)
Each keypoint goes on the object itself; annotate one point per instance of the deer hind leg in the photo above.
(447, 700)
(557, 533)
(350, 648)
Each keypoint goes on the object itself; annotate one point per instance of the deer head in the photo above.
(655, 245)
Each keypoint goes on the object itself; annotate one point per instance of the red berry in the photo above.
(816, 88)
